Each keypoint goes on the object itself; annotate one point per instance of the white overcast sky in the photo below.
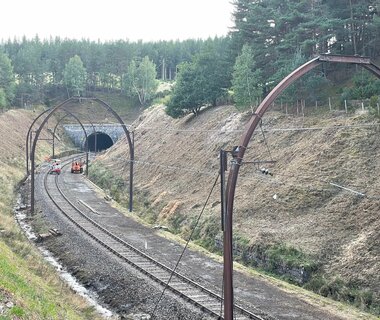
(148, 20)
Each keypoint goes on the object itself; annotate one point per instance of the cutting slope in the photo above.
(306, 206)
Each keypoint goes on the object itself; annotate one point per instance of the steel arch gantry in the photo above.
(29, 139)
(29, 136)
(38, 131)
(243, 144)
(68, 113)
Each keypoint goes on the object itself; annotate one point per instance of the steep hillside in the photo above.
(303, 216)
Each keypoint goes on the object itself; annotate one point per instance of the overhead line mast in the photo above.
(255, 120)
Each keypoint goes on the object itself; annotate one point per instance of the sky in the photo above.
(109, 20)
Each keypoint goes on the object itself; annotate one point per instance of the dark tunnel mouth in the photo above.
(99, 141)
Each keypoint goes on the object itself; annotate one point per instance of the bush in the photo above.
(339, 290)
(106, 179)
(206, 232)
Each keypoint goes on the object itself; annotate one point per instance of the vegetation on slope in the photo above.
(29, 287)
(297, 222)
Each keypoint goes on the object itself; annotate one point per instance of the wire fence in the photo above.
(329, 104)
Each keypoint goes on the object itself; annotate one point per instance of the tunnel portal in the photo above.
(99, 141)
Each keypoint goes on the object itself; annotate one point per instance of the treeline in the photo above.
(39, 65)
(269, 39)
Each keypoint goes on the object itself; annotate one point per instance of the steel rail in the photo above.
(180, 279)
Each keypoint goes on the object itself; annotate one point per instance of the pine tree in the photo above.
(7, 81)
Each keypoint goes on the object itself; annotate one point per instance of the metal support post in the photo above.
(227, 237)
(131, 172)
(223, 169)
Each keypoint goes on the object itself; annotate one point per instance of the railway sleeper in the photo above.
(148, 266)
(123, 249)
(52, 233)
(210, 304)
(181, 286)
(199, 296)
(87, 225)
(240, 317)
(104, 238)
(111, 244)
(91, 229)
(213, 306)
(135, 259)
(162, 274)
(143, 263)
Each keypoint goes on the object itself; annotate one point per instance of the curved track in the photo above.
(201, 297)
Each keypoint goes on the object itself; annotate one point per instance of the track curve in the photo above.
(201, 297)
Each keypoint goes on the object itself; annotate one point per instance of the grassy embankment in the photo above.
(29, 286)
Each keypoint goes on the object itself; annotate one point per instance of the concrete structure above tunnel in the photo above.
(106, 135)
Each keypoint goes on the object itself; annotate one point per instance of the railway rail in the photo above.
(201, 297)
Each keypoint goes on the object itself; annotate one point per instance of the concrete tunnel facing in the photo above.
(106, 135)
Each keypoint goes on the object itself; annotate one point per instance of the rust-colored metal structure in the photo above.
(29, 135)
(243, 144)
(54, 133)
(68, 113)
(38, 131)
(29, 139)
(84, 131)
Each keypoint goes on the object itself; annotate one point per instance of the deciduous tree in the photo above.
(74, 75)
(201, 82)
(140, 80)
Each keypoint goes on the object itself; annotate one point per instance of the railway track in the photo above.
(201, 297)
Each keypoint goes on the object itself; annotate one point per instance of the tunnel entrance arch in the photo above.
(98, 141)
(61, 106)
(239, 151)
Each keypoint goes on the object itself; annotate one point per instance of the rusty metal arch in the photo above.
(33, 149)
(243, 144)
(61, 105)
(28, 137)
(54, 131)
(68, 113)
(130, 144)
(93, 132)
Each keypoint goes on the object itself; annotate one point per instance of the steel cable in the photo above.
(187, 244)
